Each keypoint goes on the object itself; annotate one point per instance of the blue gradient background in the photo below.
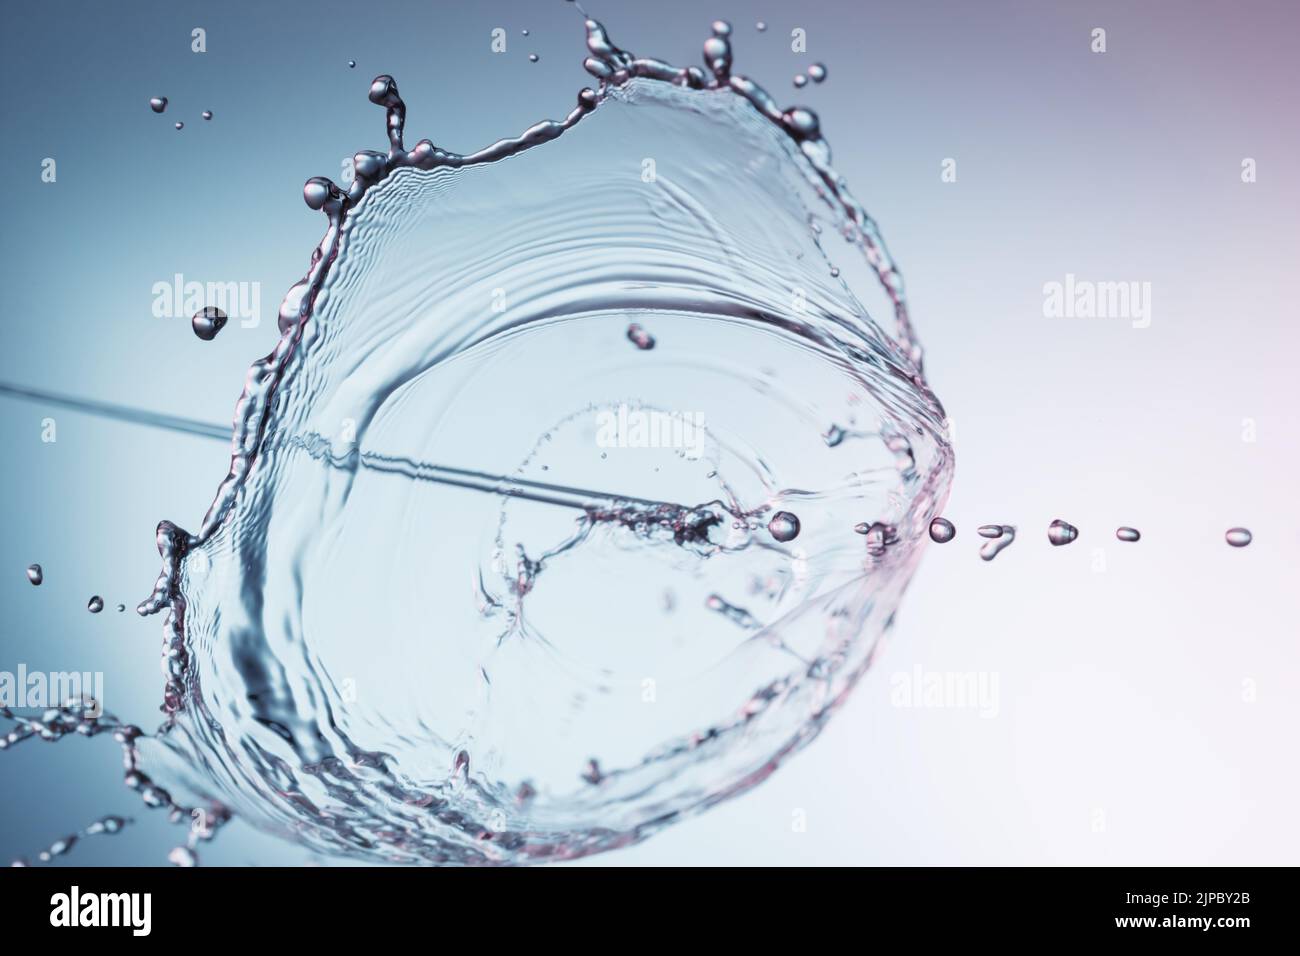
(1120, 692)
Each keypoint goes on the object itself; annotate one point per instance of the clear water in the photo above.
(541, 529)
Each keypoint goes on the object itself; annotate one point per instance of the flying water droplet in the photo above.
(180, 125)
(1061, 532)
(183, 856)
(533, 58)
(760, 26)
(833, 436)
(640, 337)
(207, 322)
(35, 574)
(784, 526)
(158, 103)
(1238, 537)
(352, 64)
(1128, 534)
(942, 531)
(880, 536)
(207, 114)
(95, 604)
(1001, 537)
(817, 72)
(121, 608)
(800, 81)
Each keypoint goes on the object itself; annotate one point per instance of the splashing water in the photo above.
(385, 657)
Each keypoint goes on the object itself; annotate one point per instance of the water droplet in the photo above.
(760, 26)
(207, 114)
(524, 32)
(533, 58)
(833, 436)
(879, 536)
(800, 81)
(640, 337)
(1061, 532)
(942, 531)
(180, 125)
(1238, 537)
(183, 856)
(158, 104)
(721, 28)
(352, 64)
(121, 608)
(1006, 534)
(817, 72)
(207, 322)
(95, 604)
(1128, 534)
(35, 574)
(784, 526)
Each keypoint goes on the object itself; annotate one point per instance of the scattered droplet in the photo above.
(999, 542)
(207, 114)
(784, 526)
(180, 125)
(640, 337)
(833, 436)
(524, 32)
(121, 608)
(800, 81)
(817, 72)
(879, 536)
(158, 103)
(1061, 532)
(183, 856)
(207, 322)
(721, 28)
(990, 531)
(942, 531)
(95, 604)
(1238, 537)
(1128, 534)
(352, 64)
(533, 58)
(760, 26)
(35, 574)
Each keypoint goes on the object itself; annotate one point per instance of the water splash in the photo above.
(363, 657)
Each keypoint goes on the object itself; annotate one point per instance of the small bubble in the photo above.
(121, 608)
(180, 125)
(817, 72)
(207, 322)
(95, 604)
(1061, 532)
(35, 574)
(524, 32)
(760, 26)
(1238, 537)
(800, 81)
(1128, 534)
(158, 104)
(942, 531)
(352, 64)
(784, 526)
(721, 28)
(640, 337)
(207, 114)
(533, 58)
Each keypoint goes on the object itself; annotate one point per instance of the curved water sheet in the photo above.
(492, 578)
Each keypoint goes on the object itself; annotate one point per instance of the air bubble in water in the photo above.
(35, 574)
(640, 337)
(1061, 532)
(95, 604)
(1238, 537)
(784, 526)
(942, 530)
(207, 322)
(158, 103)
(1128, 534)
